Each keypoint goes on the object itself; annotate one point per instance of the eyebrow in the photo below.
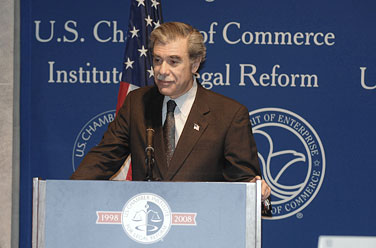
(169, 57)
(175, 57)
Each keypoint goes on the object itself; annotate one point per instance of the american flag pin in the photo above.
(196, 127)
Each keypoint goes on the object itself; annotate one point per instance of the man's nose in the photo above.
(164, 68)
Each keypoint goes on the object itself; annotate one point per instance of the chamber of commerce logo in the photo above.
(146, 218)
(90, 135)
(292, 158)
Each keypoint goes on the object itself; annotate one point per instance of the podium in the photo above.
(145, 214)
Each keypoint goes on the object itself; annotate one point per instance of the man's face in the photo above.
(173, 70)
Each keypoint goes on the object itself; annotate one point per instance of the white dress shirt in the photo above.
(183, 107)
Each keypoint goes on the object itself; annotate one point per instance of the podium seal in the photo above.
(146, 218)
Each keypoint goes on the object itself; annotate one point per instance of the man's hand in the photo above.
(265, 189)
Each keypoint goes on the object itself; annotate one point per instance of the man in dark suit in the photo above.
(199, 135)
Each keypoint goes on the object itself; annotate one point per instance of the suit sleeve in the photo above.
(108, 156)
(241, 161)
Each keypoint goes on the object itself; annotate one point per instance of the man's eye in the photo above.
(174, 62)
(156, 60)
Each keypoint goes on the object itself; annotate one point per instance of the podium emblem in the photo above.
(146, 218)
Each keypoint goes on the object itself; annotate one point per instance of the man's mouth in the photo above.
(164, 83)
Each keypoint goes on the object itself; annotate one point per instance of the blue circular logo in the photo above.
(292, 158)
(90, 135)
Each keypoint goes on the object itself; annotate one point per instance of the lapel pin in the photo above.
(196, 127)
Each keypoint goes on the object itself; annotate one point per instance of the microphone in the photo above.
(149, 139)
(149, 150)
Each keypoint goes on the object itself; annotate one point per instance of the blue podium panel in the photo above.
(153, 214)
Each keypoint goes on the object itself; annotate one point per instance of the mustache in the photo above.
(161, 77)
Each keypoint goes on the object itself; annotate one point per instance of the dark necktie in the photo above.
(169, 131)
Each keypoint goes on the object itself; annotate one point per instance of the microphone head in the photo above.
(149, 138)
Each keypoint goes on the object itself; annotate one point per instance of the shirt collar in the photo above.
(184, 102)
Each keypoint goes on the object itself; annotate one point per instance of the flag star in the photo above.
(151, 72)
(148, 21)
(142, 51)
(129, 63)
(134, 32)
(156, 24)
(154, 3)
(140, 2)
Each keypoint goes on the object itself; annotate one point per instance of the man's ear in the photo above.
(195, 65)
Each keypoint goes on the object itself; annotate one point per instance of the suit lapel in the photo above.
(194, 127)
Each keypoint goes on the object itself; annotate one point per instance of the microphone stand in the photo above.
(149, 150)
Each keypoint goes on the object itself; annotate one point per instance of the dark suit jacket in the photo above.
(223, 149)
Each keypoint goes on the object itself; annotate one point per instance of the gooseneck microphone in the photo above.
(149, 150)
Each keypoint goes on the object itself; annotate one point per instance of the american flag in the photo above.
(144, 17)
